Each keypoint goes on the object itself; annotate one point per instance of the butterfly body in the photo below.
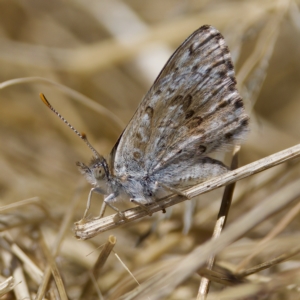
(136, 187)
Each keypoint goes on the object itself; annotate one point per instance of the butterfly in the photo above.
(192, 109)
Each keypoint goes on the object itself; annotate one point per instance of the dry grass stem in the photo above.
(21, 289)
(225, 278)
(5, 208)
(220, 224)
(54, 269)
(269, 289)
(97, 268)
(126, 268)
(33, 271)
(6, 285)
(269, 263)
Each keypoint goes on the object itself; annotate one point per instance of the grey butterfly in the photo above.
(192, 109)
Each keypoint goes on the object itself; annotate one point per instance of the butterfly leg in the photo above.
(135, 201)
(173, 190)
(88, 204)
(106, 202)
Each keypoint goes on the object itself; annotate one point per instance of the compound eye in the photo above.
(99, 172)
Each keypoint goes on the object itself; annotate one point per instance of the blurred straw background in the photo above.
(94, 60)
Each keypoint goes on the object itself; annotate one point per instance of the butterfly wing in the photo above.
(192, 109)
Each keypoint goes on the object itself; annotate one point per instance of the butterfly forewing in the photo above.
(192, 109)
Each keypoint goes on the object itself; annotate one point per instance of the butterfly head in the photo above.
(97, 173)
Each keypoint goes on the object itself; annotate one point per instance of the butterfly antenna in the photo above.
(81, 135)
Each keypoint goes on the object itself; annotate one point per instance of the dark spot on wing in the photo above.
(215, 92)
(218, 36)
(176, 100)
(228, 135)
(238, 103)
(245, 122)
(223, 103)
(222, 73)
(207, 71)
(202, 148)
(158, 92)
(198, 120)
(192, 48)
(195, 122)
(149, 111)
(231, 87)
(205, 27)
(229, 64)
(200, 132)
(187, 101)
(219, 62)
(138, 136)
(209, 37)
(189, 114)
(195, 68)
(171, 91)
